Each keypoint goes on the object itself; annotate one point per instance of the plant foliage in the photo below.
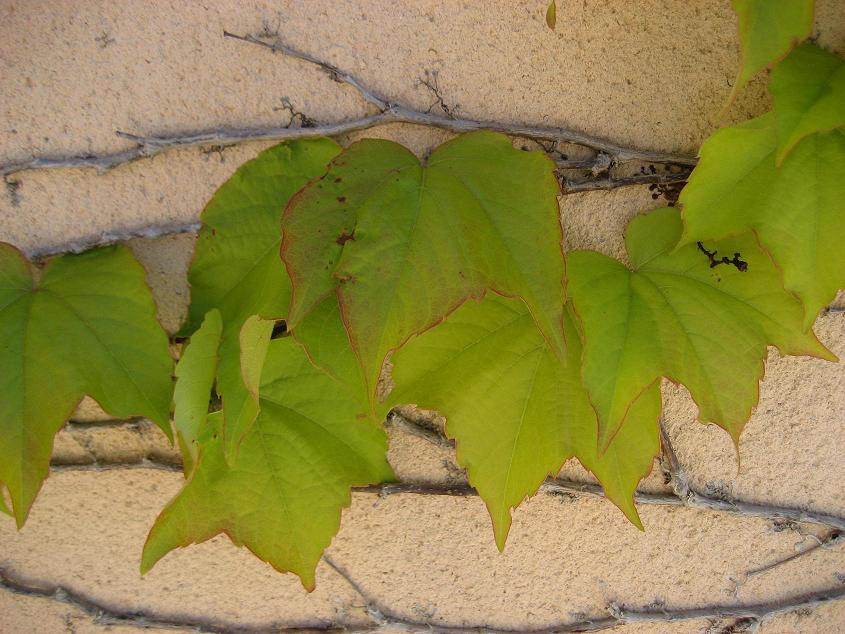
(85, 324)
(768, 29)
(281, 496)
(316, 264)
(516, 411)
(672, 314)
(401, 244)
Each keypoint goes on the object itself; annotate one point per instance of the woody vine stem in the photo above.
(606, 170)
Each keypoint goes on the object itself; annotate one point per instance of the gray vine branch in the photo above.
(383, 618)
(684, 494)
(608, 154)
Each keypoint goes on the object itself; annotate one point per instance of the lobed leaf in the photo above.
(808, 88)
(195, 374)
(674, 315)
(401, 244)
(768, 29)
(85, 324)
(326, 342)
(236, 267)
(797, 210)
(239, 378)
(282, 494)
(516, 411)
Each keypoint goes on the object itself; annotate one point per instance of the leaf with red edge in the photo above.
(402, 244)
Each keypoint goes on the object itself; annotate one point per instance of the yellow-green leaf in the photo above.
(282, 494)
(240, 391)
(674, 315)
(236, 267)
(325, 339)
(768, 29)
(797, 209)
(85, 324)
(194, 381)
(516, 411)
(808, 88)
(402, 244)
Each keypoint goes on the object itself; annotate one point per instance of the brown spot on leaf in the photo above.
(345, 237)
(341, 199)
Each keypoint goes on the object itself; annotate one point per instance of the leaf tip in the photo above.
(501, 528)
(308, 580)
(148, 558)
(634, 517)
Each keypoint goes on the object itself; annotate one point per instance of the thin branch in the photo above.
(388, 112)
(757, 612)
(571, 186)
(111, 237)
(832, 539)
(148, 464)
(692, 498)
(103, 614)
(332, 71)
(683, 496)
(149, 146)
(407, 115)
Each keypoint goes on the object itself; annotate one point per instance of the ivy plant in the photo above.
(330, 285)
(84, 324)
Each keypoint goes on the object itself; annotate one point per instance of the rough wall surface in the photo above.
(650, 74)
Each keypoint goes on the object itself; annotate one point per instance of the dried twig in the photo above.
(111, 237)
(683, 494)
(600, 167)
(388, 112)
(382, 617)
(571, 186)
(832, 539)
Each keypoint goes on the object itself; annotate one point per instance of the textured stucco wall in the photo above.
(651, 74)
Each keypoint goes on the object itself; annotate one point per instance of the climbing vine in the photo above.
(330, 285)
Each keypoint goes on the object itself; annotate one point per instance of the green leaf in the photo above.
(516, 412)
(238, 383)
(282, 495)
(324, 338)
(768, 29)
(401, 245)
(236, 266)
(85, 324)
(551, 15)
(797, 209)
(809, 95)
(674, 315)
(194, 381)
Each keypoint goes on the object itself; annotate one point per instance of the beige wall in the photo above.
(648, 73)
